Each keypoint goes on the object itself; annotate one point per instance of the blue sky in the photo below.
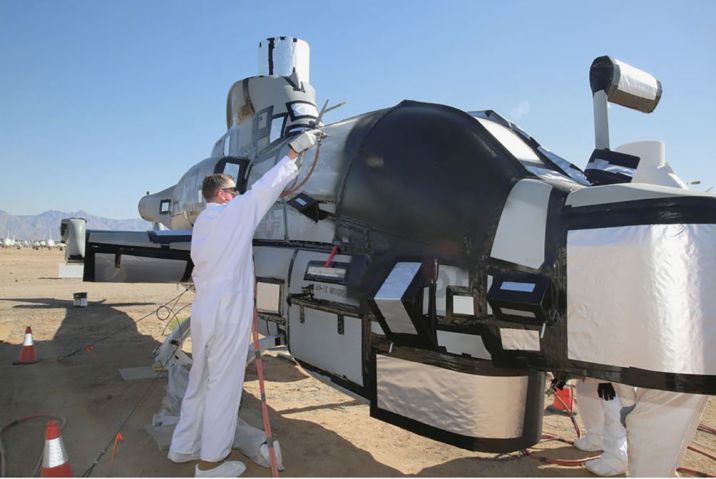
(101, 101)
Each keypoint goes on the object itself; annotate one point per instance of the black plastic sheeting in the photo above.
(423, 180)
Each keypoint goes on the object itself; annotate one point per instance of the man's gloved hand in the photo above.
(606, 391)
(304, 141)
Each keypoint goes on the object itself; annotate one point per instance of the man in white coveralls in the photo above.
(222, 313)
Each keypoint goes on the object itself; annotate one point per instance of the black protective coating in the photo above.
(308, 207)
(598, 176)
(424, 180)
(537, 301)
(601, 177)
(429, 172)
(601, 73)
(615, 158)
(670, 210)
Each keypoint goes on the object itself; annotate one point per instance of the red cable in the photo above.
(558, 462)
(262, 390)
(264, 406)
(553, 437)
(703, 453)
(693, 472)
(329, 260)
(571, 411)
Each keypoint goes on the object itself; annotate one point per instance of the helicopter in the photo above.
(439, 261)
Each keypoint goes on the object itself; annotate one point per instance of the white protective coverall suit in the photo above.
(659, 428)
(222, 313)
(602, 420)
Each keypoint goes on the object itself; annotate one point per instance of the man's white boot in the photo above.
(225, 469)
(606, 466)
(589, 443)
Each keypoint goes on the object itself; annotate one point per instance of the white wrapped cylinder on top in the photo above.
(625, 84)
(279, 56)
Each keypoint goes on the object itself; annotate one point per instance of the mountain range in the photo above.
(47, 225)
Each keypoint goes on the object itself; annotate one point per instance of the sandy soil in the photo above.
(323, 431)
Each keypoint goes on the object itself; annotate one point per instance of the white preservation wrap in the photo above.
(461, 403)
(519, 339)
(278, 56)
(458, 343)
(520, 233)
(388, 298)
(643, 297)
(636, 82)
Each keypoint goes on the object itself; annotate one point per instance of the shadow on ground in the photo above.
(85, 388)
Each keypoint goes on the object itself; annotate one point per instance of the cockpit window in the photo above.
(232, 169)
(567, 167)
(556, 170)
(235, 167)
(513, 143)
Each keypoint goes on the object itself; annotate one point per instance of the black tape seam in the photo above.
(292, 244)
(341, 381)
(600, 177)
(678, 382)
(678, 210)
(295, 87)
(295, 117)
(270, 55)
(144, 252)
(247, 94)
(614, 158)
(457, 440)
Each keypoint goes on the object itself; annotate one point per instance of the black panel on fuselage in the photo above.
(426, 180)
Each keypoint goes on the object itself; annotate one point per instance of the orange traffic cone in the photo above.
(28, 355)
(55, 462)
(563, 401)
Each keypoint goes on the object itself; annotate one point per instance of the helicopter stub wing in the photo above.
(137, 256)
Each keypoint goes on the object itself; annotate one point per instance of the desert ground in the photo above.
(323, 431)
